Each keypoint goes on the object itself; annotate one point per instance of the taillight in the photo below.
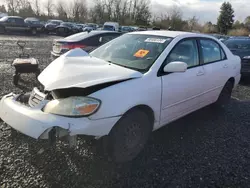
(72, 46)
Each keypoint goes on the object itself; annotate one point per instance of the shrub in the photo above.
(239, 32)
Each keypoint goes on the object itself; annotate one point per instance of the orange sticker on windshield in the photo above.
(141, 53)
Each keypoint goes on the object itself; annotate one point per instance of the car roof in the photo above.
(55, 20)
(171, 34)
(14, 17)
(85, 35)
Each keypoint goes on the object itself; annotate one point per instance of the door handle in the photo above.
(200, 73)
(225, 65)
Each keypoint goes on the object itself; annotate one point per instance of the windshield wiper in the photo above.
(133, 68)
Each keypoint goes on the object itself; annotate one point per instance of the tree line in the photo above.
(136, 12)
(126, 12)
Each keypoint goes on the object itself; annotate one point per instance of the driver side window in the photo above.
(185, 51)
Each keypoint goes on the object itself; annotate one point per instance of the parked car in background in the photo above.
(134, 28)
(92, 25)
(36, 22)
(111, 26)
(125, 89)
(51, 25)
(222, 38)
(87, 41)
(17, 24)
(66, 29)
(80, 26)
(241, 48)
(88, 29)
(126, 29)
(141, 28)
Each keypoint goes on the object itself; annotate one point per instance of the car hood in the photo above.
(241, 53)
(77, 68)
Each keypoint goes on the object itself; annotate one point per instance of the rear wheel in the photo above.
(225, 95)
(129, 136)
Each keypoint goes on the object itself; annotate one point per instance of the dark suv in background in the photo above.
(17, 24)
(241, 47)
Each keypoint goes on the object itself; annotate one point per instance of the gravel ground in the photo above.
(205, 149)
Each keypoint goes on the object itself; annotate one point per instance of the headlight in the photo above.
(73, 106)
(246, 57)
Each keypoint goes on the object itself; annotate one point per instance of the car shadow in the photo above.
(179, 150)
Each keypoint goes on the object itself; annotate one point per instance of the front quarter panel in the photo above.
(119, 98)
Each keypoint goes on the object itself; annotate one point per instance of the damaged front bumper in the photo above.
(33, 122)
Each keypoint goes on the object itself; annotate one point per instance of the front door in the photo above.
(181, 91)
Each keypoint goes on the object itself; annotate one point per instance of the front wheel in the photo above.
(225, 95)
(129, 136)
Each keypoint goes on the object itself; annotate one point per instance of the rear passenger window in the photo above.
(11, 20)
(211, 51)
(108, 37)
(92, 41)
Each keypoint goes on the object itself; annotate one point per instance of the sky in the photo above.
(204, 10)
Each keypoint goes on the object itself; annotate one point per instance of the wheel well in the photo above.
(232, 80)
(146, 109)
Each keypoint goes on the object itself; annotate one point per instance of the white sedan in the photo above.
(125, 89)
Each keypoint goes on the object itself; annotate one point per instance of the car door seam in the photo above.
(190, 98)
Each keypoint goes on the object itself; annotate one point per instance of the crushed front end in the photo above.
(26, 114)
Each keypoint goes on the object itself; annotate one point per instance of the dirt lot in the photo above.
(205, 149)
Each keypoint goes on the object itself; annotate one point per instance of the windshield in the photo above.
(238, 44)
(55, 22)
(134, 51)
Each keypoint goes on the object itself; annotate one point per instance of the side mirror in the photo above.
(175, 66)
(100, 39)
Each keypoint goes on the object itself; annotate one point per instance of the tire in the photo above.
(2, 30)
(15, 79)
(225, 95)
(34, 31)
(129, 136)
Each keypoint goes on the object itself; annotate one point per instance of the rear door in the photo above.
(216, 69)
